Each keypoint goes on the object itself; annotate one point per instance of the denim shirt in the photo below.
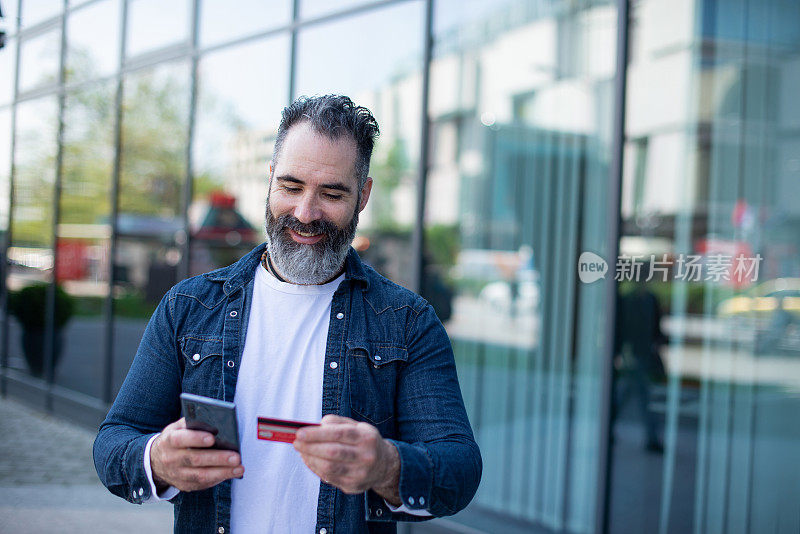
(396, 371)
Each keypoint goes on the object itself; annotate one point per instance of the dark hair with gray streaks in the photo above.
(333, 116)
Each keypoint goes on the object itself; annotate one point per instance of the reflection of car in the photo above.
(773, 309)
(762, 300)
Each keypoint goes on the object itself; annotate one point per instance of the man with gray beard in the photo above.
(299, 329)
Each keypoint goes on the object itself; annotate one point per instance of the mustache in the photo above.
(320, 226)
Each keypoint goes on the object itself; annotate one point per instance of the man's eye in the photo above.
(333, 196)
(291, 189)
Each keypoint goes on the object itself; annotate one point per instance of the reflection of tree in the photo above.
(154, 145)
(88, 155)
(388, 173)
(34, 175)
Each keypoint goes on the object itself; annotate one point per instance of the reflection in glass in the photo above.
(8, 61)
(93, 41)
(150, 223)
(30, 256)
(9, 21)
(39, 60)
(219, 23)
(517, 188)
(382, 73)
(35, 11)
(153, 24)
(5, 172)
(711, 180)
(238, 113)
(83, 233)
(317, 8)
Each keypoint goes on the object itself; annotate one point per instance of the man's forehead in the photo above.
(306, 150)
(305, 132)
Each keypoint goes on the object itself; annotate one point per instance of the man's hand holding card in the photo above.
(351, 455)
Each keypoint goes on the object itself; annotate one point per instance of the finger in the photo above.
(205, 477)
(330, 472)
(340, 433)
(210, 458)
(333, 418)
(336, 452)
(185, 438)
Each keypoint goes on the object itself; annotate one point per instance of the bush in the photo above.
(29, 306)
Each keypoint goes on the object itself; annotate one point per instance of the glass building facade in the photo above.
(599, 198)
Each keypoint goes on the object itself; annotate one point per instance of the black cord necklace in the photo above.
(267, 263)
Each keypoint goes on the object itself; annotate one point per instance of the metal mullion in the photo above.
(574, 189)
(8, 236)
(188, 185)
(602, 508)
(157, 57)
(418, 236)
(50, 326)
(114, 204)
(293, 50)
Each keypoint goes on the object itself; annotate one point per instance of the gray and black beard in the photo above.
(308, 264)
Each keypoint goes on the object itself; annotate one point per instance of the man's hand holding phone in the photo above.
(182, 458)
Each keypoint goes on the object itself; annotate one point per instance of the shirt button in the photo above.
(377, 358)
(141, 491)
(233, 314)
(340, 315)
(422, 500)
(323, 530)
(196, 357)
(334, 365)
(411, 500)
(221, 530)
(379, 512)
(230, 363)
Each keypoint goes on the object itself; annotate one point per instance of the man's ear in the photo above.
(365, 191)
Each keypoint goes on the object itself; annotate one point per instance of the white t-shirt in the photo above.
(280, 376)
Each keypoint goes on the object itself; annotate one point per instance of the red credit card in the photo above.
(279, 429)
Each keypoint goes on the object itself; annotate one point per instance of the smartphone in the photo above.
(212, 415)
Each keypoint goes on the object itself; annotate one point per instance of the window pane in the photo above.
(93, 41)
(517, 189)
(153, 24)
(5, 170)
(220, 23)
(83, 232)
(39, 60)
(711, 178)
(31, 254)
(8, 61)
(238, 113)
(150, 223)
(9, 20)
(35, 11)
(317, 8)
(382, 72)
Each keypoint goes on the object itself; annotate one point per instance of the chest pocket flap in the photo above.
(372, 369)
(197, 349)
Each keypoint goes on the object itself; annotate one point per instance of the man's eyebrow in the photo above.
(338, 186)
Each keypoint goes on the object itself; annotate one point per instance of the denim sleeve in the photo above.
(440, 464)
(147, 402)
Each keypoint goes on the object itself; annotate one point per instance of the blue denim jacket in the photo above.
(398, 375)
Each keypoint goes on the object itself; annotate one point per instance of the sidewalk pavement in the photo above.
(48, 483)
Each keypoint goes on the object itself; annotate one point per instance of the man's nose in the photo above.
(307, 209)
